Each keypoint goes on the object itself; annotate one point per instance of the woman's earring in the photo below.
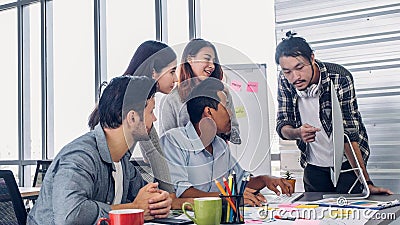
(154, 74)
(157, 86)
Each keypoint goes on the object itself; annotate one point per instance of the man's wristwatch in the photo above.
(370, 183)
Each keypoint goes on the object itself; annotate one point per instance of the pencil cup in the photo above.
(232, 209)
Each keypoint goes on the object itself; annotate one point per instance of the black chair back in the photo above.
(41, 169)
(12, 209)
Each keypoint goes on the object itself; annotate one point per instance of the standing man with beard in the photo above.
(304, 115)
(92, 175)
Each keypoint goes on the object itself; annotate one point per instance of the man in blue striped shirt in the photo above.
(304, 115)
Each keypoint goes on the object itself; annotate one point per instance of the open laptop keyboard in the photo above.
(286, 199)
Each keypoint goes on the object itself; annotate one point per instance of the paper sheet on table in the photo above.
(322, 215)
(183, 216)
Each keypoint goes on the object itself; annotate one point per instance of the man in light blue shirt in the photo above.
(197, 156)
(184, 147)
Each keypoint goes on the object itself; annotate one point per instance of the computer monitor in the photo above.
(338, 137)
(338, 147)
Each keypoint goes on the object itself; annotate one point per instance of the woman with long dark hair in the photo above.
(155, 60)
(199, 61)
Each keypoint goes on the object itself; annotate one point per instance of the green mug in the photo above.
(207, 210)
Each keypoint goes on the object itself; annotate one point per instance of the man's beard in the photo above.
(140, 133)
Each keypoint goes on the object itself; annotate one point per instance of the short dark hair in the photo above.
(122, 94)
(203, 94)
(148, 56)
(294, 47)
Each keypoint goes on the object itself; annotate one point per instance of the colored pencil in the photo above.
(245, 180)
(234, 184)
(228, 189)
(231, 214)
(227, 186)
(224, 193)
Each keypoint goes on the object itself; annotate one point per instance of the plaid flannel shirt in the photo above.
(289, 114)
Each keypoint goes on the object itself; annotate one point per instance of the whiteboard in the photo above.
(248, 86)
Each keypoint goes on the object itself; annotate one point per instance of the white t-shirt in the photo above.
(118, 176)
(320, 152)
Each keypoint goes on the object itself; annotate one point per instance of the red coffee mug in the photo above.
(124, 217)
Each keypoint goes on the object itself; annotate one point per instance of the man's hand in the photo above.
(307, 133)
(273, 182)
(253, 197)
(155, 203)
(178, 202)
(379, 190)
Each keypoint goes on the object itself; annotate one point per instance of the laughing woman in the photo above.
(199, 61)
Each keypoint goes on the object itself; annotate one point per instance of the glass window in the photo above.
(35, 82)
(254, 23)
(178, 22)
(6, 1)
(14, 170)
(73, 69)
(125, 35)
(129, 23)
(32, 170)
(9, 89)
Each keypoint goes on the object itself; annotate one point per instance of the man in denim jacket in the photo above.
(92, 175)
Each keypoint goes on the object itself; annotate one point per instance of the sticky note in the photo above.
(292, 205)
(252, 87)
(236, 85)
(255, 221)
(340, 212)
(306, 222)
(240, 112)
(307, 206)
(335, 214)
(289, 209)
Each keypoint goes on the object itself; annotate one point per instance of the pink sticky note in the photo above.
(252, 87)
(254, 221)
(291, 205)
(236, 85)
(306, 222)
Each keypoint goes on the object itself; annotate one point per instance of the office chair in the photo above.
(144, 169)
(41, 169)
(12, 209)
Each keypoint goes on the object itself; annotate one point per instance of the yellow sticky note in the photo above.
(307, 206)
(339, 213)
(240, 112)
